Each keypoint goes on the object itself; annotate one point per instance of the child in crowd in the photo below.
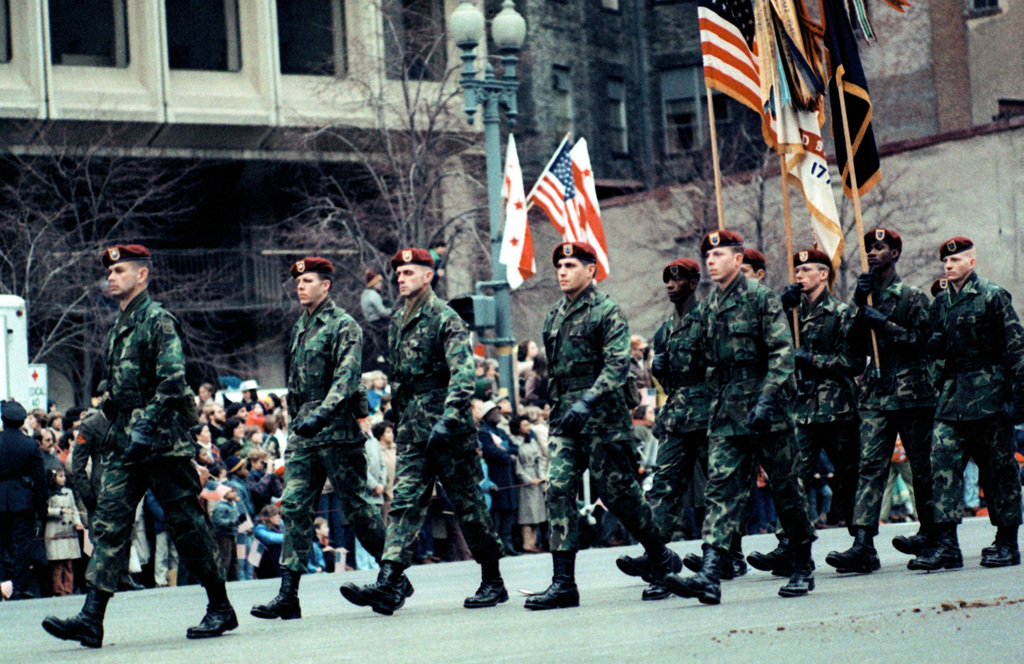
(62, 525)
(270, 535)
(225, 520)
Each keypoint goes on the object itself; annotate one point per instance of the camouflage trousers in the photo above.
(989, 443)
(612, 461)
(841, 442)
(878, 431)
(731, 468)
(175, 485)
(457, 467)
(305, 472)
(678, 457)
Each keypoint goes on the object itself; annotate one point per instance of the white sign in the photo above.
(37, 387)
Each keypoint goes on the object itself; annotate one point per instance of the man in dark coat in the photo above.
(23, 495)
(500, 453)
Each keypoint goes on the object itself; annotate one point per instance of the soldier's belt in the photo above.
(688, 378)
(572, 383)
(958, 365)
(125, 402)
(737, 373)
(428, 384)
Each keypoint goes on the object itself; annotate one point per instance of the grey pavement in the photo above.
(894, 615)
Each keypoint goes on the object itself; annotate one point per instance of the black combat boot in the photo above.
(492, 590)
(739, 563)
(634, 565)
(391, 581)
(562, 593)
(861, 558)
(286, 605)
(778, 561)
(1004, 551)
(802, 581)
(914, 545)
(705, 585)
(220, 616)
(945, 554)
(733, 563)
(663, 562)
(87, 626)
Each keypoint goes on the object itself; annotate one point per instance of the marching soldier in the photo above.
(754, 265)
(432, 381)
(586, 339)
(747, 346)
(897, 397)
(150, 408)
(977, 334)
(325, 391)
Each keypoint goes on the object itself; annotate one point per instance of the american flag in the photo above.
(729, 50)
(555, 193)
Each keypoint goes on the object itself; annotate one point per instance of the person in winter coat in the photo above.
(61, 534)
(532, 473)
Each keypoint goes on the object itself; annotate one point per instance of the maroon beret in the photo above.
(679, 269)
(125, 252)
(754, 259)
(412, 256)
(812, 256)
(312, 264)
(954, 246)
(720, 239)
(939, 285)
(890, 237)
(581, 250)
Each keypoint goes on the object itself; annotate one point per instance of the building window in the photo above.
(415, 47)
(682, 109)
(612, 5)
(203, 34)
(984, 5)
(561, 102)
(312, 37)
(618, 137)
(87, 33)
(5, 31)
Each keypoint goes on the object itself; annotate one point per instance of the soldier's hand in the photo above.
(140, 441)
(107, 407)
(659, 365)
(875, 319)
(760, 419)
(310, 425)
(440, 435)
(790, 295)
(577, 415)
(936, 345)
(865, 284)
(1015, 410)
(804, 358)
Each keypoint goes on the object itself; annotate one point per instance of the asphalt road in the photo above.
(894, 615)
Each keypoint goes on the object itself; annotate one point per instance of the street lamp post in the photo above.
(508, 31)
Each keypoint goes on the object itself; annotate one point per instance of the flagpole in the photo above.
(788, 217)
(529, 197)
(856, 203)
(714, 160)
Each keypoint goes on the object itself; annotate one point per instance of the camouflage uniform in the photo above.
(826, 404)
(682, 425)
(749, 350)
(432, 376)
(146, 378)
(984, 367)
(587, 345)
(88, 447)
(324, 379)
(899, 400)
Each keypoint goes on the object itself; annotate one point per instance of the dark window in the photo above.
(87, 33)
(984, 5)
(5, 31)
(618, 136)
(414, 39)
(203, 34)
(561, 102)
(312, 36)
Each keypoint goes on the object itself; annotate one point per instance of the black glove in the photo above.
(107, 407)
(760, 419)
(576, 417)
(140, 441)
(875, 319)
(936, 345)
(1015, 410)
(790, 295)
(310, 425)
(659, 365)
(804, 357)
(865, 284)
(440, 435)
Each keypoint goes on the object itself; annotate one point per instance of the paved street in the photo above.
(968, 615)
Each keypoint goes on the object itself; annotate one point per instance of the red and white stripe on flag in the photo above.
(554, 191)
(730, 61)
(516, 242)
(588, 212)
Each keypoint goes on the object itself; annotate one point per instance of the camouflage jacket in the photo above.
(749, 349)
(984, 350)
(432, 369)
(146, 379)
(685, 374)
(587, 345)
(326, 352)
(825, 390)
(903, 381)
